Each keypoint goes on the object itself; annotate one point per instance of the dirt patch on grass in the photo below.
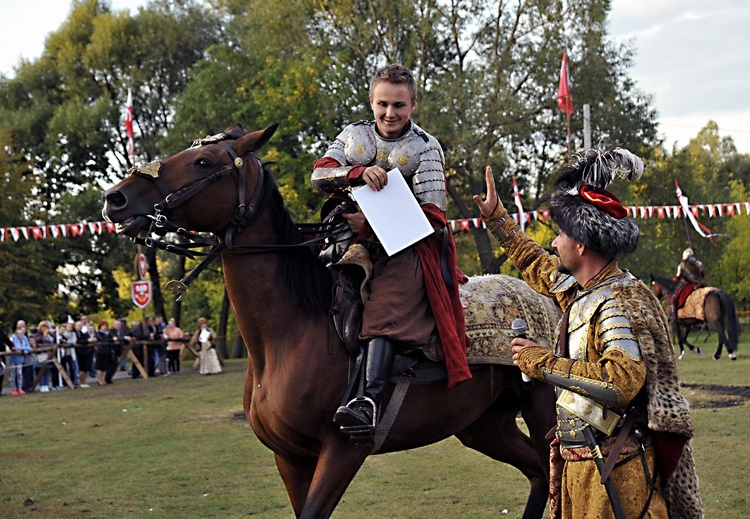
(708, 396)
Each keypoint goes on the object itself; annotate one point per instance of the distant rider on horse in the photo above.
(690, 274)
(414, 293)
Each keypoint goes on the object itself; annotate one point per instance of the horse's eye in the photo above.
(204, 163)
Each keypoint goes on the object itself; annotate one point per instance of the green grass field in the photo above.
(180, 447)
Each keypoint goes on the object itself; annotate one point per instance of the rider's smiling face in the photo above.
(392, 105)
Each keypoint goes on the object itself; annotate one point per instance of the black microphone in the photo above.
(519, 330)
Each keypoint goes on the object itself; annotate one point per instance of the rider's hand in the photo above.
(375, 177)
(356, 220)
(489, 204)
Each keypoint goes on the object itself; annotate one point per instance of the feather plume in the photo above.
(599, 168)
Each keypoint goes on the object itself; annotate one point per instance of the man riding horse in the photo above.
(690, 274)
(414, 292)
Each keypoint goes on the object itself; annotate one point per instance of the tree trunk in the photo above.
(490, 263)
(153, 271)
(238, 348)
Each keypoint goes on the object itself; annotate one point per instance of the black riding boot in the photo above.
(362, 411)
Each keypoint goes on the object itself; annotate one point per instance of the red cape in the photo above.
(444, 300)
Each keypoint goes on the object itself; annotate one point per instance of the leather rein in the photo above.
(245, 214)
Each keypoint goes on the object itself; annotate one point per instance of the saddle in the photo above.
(695, 303)
(351, 274)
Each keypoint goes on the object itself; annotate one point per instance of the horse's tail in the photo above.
(731, 322)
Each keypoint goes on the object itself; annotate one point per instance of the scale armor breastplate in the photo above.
(417, 155)
(599, 308)
(612, 322)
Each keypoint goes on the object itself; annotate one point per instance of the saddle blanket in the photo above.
(693, 308)
(491, 303)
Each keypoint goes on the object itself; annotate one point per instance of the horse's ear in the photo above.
(256, 140)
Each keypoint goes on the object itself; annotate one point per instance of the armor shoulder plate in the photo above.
(407, 151)
(615, 330)
(563, 283)
(423, 161)
(360, 147)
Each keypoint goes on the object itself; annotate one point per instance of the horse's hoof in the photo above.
(682, 356)
(733, 356)
(697, 351)
(717, 357)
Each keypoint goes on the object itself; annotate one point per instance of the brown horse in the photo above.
(720, 316)
(297, 366)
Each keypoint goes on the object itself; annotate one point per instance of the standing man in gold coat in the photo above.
(622, 443)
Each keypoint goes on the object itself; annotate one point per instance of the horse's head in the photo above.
(661, 286)
(218, 175)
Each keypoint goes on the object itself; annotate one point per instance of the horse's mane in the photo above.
(302, 274)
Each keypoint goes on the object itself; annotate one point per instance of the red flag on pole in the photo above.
(129, 125)
(519, 205)
(564, 99)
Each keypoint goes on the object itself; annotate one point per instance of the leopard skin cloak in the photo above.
(668, 410)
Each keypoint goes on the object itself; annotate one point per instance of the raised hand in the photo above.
(489, 204)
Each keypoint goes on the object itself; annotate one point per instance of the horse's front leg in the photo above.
(338, 463)
(677, 332)
(682, 337)
(297, 475)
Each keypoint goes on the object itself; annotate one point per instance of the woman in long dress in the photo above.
(204, 337)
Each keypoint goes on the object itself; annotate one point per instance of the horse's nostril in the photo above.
(115, 199)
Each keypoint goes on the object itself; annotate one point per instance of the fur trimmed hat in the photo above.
(586, 212)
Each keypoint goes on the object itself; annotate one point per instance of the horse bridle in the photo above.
(245, 213)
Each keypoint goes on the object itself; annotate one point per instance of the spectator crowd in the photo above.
(85, 352)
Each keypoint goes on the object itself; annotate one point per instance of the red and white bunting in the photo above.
(74, 230)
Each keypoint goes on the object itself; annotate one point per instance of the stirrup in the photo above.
(350, 409)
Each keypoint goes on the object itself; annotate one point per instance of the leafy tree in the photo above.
(28, 274)
(63, 115)
(486, 71)
(706, 171)
(734, 264)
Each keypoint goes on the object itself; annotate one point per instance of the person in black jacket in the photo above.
(149, 333)
(120, 337)
(5, 345)
(86, 350)
(104, 353)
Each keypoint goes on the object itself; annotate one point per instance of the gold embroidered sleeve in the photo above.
(614, 380)
(538, 267)
(619, 375)
(533, 361)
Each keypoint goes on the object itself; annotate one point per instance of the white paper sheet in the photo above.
(394, 213)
